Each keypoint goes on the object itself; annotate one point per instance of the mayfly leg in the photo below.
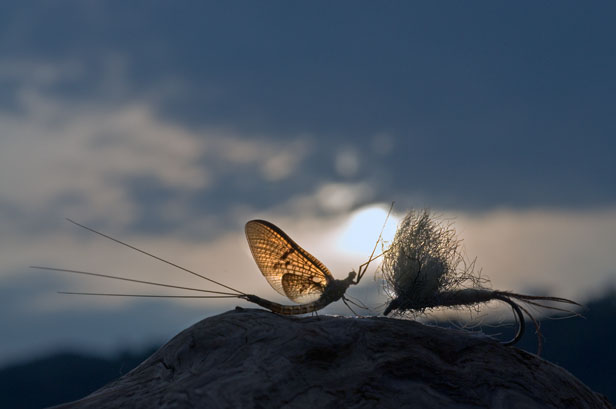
(356, 302)
(346, 302)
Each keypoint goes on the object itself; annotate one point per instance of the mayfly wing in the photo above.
(289, 269)
(300, 288)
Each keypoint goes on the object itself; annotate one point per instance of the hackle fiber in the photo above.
(425, 258)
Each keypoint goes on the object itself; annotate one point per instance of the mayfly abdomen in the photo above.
(285, 309)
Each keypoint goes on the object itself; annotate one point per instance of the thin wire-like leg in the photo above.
(344, 300)
(360, 272)
(356, 302)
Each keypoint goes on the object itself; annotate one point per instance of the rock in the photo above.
(256, 359)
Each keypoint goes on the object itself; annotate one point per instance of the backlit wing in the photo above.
(301, 289)
(289, 269)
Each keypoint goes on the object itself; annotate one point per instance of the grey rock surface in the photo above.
(256, 359)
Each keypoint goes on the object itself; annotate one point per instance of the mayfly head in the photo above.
(351, 278)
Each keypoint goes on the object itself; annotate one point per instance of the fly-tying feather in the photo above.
(425, 267)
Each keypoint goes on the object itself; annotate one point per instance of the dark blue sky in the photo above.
(488, 104)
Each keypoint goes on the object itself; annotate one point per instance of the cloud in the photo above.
(566, 253)
(275, 160)
(474, 126)
(38, 73)
(56, 151)
(95, 160)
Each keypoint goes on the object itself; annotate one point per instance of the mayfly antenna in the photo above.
(360, 272)
(148, 295)
(364, 267)
(153, 256)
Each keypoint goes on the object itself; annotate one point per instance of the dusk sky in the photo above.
(171, 125)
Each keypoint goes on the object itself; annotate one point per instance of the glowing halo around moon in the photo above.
(359, 232)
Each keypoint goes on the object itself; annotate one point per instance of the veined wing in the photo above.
(301, 289)
(289, 269)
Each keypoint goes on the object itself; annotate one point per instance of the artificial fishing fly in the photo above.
(424, 268)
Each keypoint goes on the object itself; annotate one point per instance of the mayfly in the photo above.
(288, 268)
(424, 268)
